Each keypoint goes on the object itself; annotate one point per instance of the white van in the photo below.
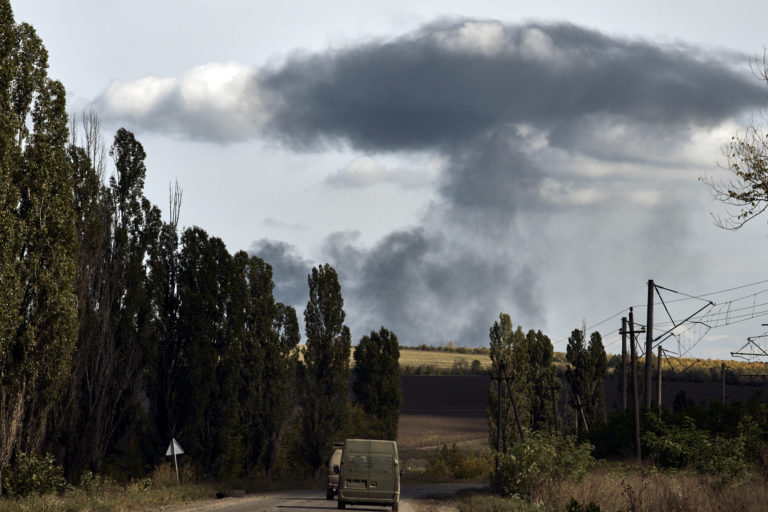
(370, 473)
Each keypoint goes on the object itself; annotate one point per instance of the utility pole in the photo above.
(635, 397)
(649, 345)
(624, 376)
(499, 423)
(554, 401)
(722, 385)
(658, 381)
(514, 407)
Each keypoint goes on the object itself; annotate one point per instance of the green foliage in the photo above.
(588, 365)
(509, 355)
(38, 243)
(455, 463)
(377, 380)
(543, 458)
(34, 474)
(686, 446)
(575, 506)
(325, 374)
(527, 361)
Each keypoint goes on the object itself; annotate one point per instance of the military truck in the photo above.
(370, 473)
(334, 466)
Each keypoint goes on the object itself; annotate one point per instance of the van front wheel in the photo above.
(395, 507)
(342, 505)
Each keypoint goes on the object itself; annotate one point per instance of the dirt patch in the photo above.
(445, 395)
(442, 410)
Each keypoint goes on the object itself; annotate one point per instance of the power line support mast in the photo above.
(649, 345)
(635, 396)
(722, 384)
(624, 376)
(514, 405)
(658, 381)
(554, 402)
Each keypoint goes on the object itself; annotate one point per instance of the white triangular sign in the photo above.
(174, 448)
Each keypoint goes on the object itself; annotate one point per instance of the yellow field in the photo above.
(439, 359)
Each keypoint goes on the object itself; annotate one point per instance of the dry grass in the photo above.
(129, 498)
(613, 488)
(420, 435)
(425, 433)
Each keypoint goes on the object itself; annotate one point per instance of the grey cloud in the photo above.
(411, 278)
(417, 92)
(494, 175)
(289, 270)
(492, 243)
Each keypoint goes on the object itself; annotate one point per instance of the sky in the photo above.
(451, 160)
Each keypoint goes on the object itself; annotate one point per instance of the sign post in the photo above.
(174, 449)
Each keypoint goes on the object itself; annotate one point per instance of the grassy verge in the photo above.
(97, 493)
(117, 498)
(611, 487)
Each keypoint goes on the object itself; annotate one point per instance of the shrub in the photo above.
(686, 446)
(452, 461)
(94, 484)
(541, 459)
(575, 506)
(34, 474)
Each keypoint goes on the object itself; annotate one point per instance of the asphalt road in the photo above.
(411, 500)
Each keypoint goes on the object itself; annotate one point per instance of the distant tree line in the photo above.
(118, 331)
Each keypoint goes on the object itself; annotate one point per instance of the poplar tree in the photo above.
(377, 380)
(542, 378)
(202, 313)
(508, 350)
(38, 315)
(585, 374)
(325, 400)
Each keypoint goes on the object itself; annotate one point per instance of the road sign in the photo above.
(174, 448)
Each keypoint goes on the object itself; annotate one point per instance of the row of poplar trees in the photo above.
(525, 364)
(117, 332)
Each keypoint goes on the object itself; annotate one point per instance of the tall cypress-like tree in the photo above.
(528, 363)
(114, 378)
(260, 313)
(163, 284)
(37, 240)
(280, 360)
(201, 315)
(325, 399)
(542, 378)
(599, 363)
(585, 375)
(509, 349)
(377, 380)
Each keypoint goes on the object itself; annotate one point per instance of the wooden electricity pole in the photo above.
(554, 401)
(624, 376)
(649, 345)
(658, 380)
(514, 406)
(635, 397)
(499, 417)
(722, 385)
